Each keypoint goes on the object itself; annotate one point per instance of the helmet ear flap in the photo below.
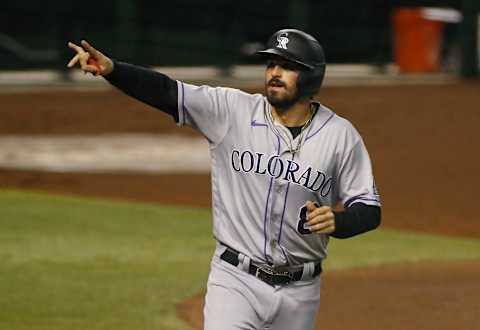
(309, 81)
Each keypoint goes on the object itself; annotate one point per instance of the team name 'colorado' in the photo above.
(277, 168)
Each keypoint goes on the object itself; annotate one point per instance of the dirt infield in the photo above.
(424, 144)
(406, 297)
(165, 189)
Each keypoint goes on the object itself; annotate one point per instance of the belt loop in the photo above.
(243, 262)
(220, 248)
(308, 269)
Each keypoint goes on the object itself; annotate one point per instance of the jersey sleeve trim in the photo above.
(363, 198)
(181, 104)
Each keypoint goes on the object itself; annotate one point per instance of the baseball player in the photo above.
(280, 161)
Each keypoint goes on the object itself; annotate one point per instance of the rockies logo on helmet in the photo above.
(282, 40)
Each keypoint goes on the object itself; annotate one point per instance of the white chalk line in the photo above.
(152, 153)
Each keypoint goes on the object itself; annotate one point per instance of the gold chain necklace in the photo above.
(289, 142)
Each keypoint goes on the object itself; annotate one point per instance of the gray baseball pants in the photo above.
(237, 300)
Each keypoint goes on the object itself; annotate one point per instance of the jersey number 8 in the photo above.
(303, 219)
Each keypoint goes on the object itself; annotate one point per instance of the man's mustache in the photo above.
(276, 82)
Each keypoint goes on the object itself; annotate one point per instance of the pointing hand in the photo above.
(90, 59)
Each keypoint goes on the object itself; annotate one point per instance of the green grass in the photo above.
(69, 263)
(382, 247)
(73, 263)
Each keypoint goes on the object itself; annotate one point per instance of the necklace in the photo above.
(289, 142)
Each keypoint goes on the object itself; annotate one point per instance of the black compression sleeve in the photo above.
(357, 219)
(147, 86)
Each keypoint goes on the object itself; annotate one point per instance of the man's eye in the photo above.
(271, 64)
(290, 66)
(285, 65)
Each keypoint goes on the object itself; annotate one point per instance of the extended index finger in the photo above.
(76, 48)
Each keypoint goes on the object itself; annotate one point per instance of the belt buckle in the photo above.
(265, 274)
(272, 277)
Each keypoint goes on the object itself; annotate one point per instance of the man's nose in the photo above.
(277, 71)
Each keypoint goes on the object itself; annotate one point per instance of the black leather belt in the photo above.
(269, 274)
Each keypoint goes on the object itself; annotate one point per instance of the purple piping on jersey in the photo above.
(353, 198)
(362, 199)
(361, 196)
(283, 214)
(278, 137)
(266, 205)
(183, 104)
(255, 124)
(325, 123)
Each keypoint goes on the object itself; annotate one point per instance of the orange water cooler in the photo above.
(417, 41)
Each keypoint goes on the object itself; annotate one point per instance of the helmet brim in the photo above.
(284, 55)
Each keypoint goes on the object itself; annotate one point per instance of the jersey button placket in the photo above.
(275, 220)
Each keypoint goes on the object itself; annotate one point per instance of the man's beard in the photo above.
(284, 102)
(281, 102)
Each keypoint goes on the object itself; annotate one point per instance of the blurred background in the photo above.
(33, 34)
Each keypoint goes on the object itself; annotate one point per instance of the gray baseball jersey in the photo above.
(259, 186)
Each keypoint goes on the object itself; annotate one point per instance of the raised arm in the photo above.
(145, 85)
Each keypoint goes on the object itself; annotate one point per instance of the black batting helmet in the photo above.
(301, 48)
